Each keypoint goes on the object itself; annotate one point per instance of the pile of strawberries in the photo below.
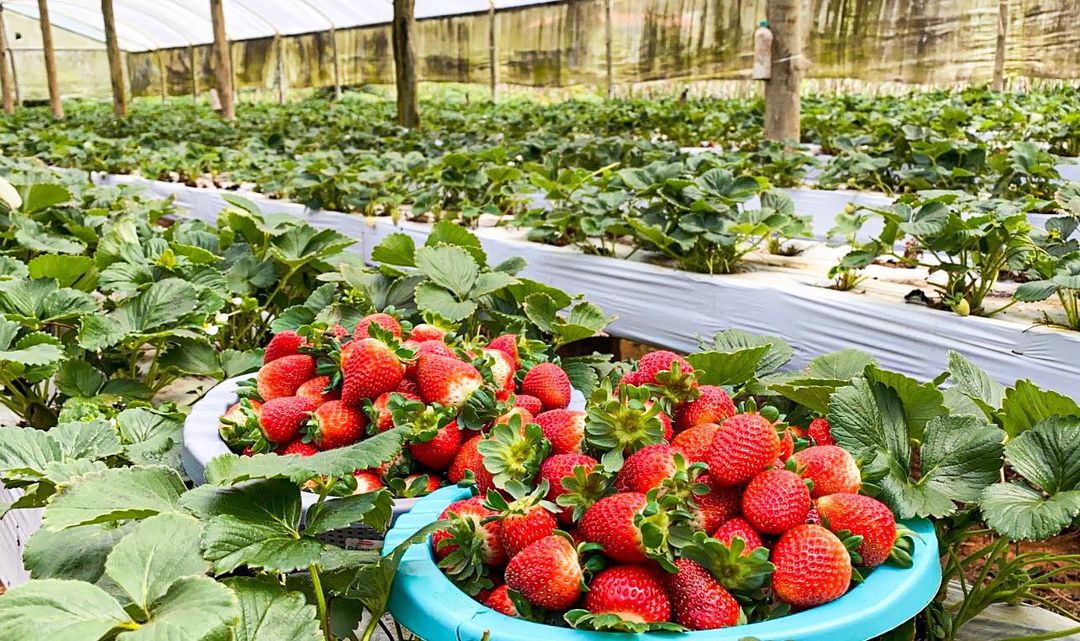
(322, 388)
(663, 507)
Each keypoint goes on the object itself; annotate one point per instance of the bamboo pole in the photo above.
(782, 89)
(116, 63)
(14, 76)
(5, 71)
(279, 53)
(998, 83)
(493, 52)
(405, 63)
(223, 62)
(337, 64)
(194, 73)
(607, 49)
(50, 59)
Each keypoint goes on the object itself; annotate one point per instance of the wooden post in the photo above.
(163, 72)
(279, 53)
(405, 63)
(607, 49)
(223, 62)
(50, 59)
(999, 54)
(493, 52)
(116, 64)
(782, 90)
(5, 71)
(194, 73)
(337, 64)
(14, 76)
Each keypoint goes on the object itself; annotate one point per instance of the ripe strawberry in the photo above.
(507, 343)
(546, 573)
(712, 406)
(665, 423)
(698, 599)
(719, 505)
(695, 441)
(647, 468)
(631, 378)
(820, 432)
(564, 428)
(468, 459)
(369, 367)
(775, 501)
(447, 381)
(787, 445)
(281, 418)
(525, 519)
(238, 415)
(380, 414)
(503, 369)
(744, 445)
(861, 516)
(367, 481)
(424, 332)
(555, 469)
(438, 453)
(831, 469)
(407, 385)
(549, 383)
(812, 567)
(297, 447)
(481, 538)
(611, 523)
(316, 390)
(386, 321)
(284, 343)
(335, 424)
(530, 403)
(283, 376)
(438, 348)
(634, 593)
(738, 527)
(499, 600)
(652, 364)
(524, 417)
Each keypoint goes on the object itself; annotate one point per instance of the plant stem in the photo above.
(320, 601)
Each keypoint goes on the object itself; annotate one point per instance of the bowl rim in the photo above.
(431, 606)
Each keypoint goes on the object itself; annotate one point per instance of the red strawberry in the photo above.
(862, 516)
(525, 417)
(408, 385)
(447, 381)
(380, 408)
(665, 423)
(437, 348)
(507, 343)
(369, 367)
(814, 516)
(738, 527)
(744, 445)
(285, 343)
(775, 501)
(440, 451)
(283, 376)
(698, 599)
(530, 403)
(335, 424)
(712, 406)
(564, 428)
(611, 523)
(546, 573)
(719, 505)
(503, 369)
(695, 441)
(653, 363)
(386, 321)
(831, 469)
(525, 519)
(634, 593)
(812, 567)
(433, 481)
(468, 459)
(647, 468)
(820, 432)
(499, 600)
(631, 378)
(281, 418)
(297, 447)
(424, 332)
(787, 445)
(316, 390)
(446, 541)
(367, 481)
(549, 383)
(561, 466)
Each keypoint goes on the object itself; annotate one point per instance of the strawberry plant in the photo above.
(1055, 270)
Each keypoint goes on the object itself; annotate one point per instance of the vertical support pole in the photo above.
(164, 76)
(782, 89)
(50, 59)
(337, 64)
(223, 62)
(405, 62)
(279, 53)
(5, 71)
(14, 76)
(493, 52)
(116, 63)
(194, 73)
(607, 50)
(999, 53)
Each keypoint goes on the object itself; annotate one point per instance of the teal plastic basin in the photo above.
(427, 603)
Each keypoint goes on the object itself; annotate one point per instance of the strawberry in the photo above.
(698, 599)
(651, 365)
(367, 481)
(695, 441)
(439, 452)
(281, 418)
(861, 516)
(283, 376)
(284, 343)
(469, 542)
(407, 385)
(431, 483)
(665, 424)
(812, 567)
(508, 344)
(500, 601)
(297, 447)
(564, 428)
(438, 348)
(744, 445)
(633, 378)
(514, 451)
(775, 501)
(634, 593)
(524, 417)
(369, 367)
(559, 468)
(546, 573)
(386, 321)
(831, 469)
(612, 522)
(530, 403)
(379, 412)
(335, 424)
(715, 507)
(424, 332)
(502, 368)
(647, 468)
(820, 432)
(318, 389)
(468, 459)
(525, 519)
(549, 383)
(713, 405)
(737, 527)
(447, 381)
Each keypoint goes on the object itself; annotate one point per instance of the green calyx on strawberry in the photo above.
(423, 421)
(481, 409)
(239, 426)
(413, 486)
(582, 489)
(525, 519)
(622, 422)
(514, 452)
(523, 501)
(677, 384)
(741, 573)
(582, 619)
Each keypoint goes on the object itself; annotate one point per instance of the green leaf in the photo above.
(59, 610)
(302, 244)
(733, 340)
(192, 356)
(66, 270)
(843, 365)
(1035, 291)
(921, 401)
(395, 249)
(115, 494)
(194, 607)
(78, 378)
(91, 439)
(973, 382)
(374, 509)
(449, 233)
(1027, 405)
(40, 196)
(449, 266)
(433, 298)
(491, 282)
(27, 449)
(269, 613)
(29, 351)
(1023, 513)
(730, 368)
(75, 553)
(812, 393)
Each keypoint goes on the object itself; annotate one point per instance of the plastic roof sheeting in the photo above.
(164, 24)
